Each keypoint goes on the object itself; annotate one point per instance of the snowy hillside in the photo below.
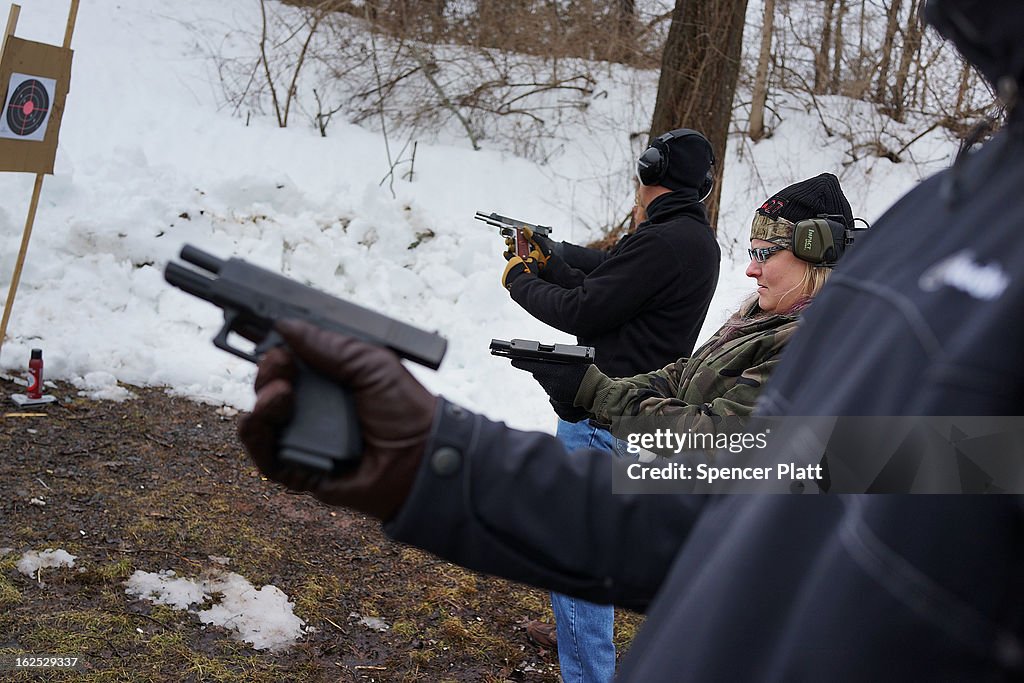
(150, 159)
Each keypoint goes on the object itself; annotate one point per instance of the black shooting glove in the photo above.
(568, 411)
(561, 381)
(541, 247)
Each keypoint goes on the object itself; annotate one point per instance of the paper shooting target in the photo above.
(27, 108)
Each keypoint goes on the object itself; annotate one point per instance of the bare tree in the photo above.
(966, 73)
(822, 79)
(837, 46)
(760, 93)
(912, 35)
(312, 21)
(625, 30)
(891, 27)
(699, 69)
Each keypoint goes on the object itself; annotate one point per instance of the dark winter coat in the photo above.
(642, 304)
(924, 316)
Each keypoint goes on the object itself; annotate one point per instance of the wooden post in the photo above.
(72, 15)
(12, 23)
(36, 190)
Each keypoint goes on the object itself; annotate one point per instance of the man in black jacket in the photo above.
(757, 587)
(640, 305)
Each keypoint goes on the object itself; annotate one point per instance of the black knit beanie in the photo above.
(689, 159)
(809, 199)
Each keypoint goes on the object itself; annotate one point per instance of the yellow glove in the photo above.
(515, 268)
(542, 247)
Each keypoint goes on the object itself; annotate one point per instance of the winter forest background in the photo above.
(347, 145)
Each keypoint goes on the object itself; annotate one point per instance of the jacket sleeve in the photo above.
(561, 273)
(516, 504)
(655, 394)
(582, 258)
(609, 295)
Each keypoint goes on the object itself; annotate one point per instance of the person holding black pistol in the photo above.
(640, 305)
(790, 260)
(922, 320)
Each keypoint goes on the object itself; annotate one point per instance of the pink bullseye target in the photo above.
(27, 107)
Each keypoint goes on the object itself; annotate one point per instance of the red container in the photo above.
(35, 375)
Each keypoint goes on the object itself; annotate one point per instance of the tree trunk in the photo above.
(699, 69)
(892, 25)
(821, 70)
(911, 54)
(760, 94)
(625, 30)
(837, 48)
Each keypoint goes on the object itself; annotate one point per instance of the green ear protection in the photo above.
(821, 241)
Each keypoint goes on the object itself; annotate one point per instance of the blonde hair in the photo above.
(810, 285)
(815, 278)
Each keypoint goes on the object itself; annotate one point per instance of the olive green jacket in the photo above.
(719, 379)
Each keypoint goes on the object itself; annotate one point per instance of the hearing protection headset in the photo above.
(822, 241)
(652, 165)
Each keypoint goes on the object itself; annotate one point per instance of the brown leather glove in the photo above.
(395, 415)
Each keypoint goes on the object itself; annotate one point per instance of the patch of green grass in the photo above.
(626, 626)
(111, 573)
(157, 647)
(9, 595)
(188, 521)
(404, 629)
(316, 592)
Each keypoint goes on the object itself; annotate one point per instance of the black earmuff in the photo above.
(652, 165)
(820, 241)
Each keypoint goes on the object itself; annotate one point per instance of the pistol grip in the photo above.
(522, 245)
(323, 434)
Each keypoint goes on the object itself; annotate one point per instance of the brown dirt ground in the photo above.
(160, 482)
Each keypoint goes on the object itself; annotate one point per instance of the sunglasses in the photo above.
(762, 254)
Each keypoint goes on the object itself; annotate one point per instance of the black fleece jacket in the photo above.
(640, 305)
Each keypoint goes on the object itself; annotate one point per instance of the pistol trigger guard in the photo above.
(221, 340)
(270, 341)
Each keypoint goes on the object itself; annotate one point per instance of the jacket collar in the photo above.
(755, 317)
(674, 204)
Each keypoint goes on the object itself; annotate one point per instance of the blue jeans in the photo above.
(586, 653)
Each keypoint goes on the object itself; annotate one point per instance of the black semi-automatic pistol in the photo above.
(548, 353)
(323, 433)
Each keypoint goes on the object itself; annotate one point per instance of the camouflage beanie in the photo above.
(809, 198)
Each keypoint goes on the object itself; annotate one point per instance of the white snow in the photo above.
(32, 561)
(261, 617)
(165, 588)
(151, 159)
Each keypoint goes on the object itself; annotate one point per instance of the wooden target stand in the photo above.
(50, 64)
